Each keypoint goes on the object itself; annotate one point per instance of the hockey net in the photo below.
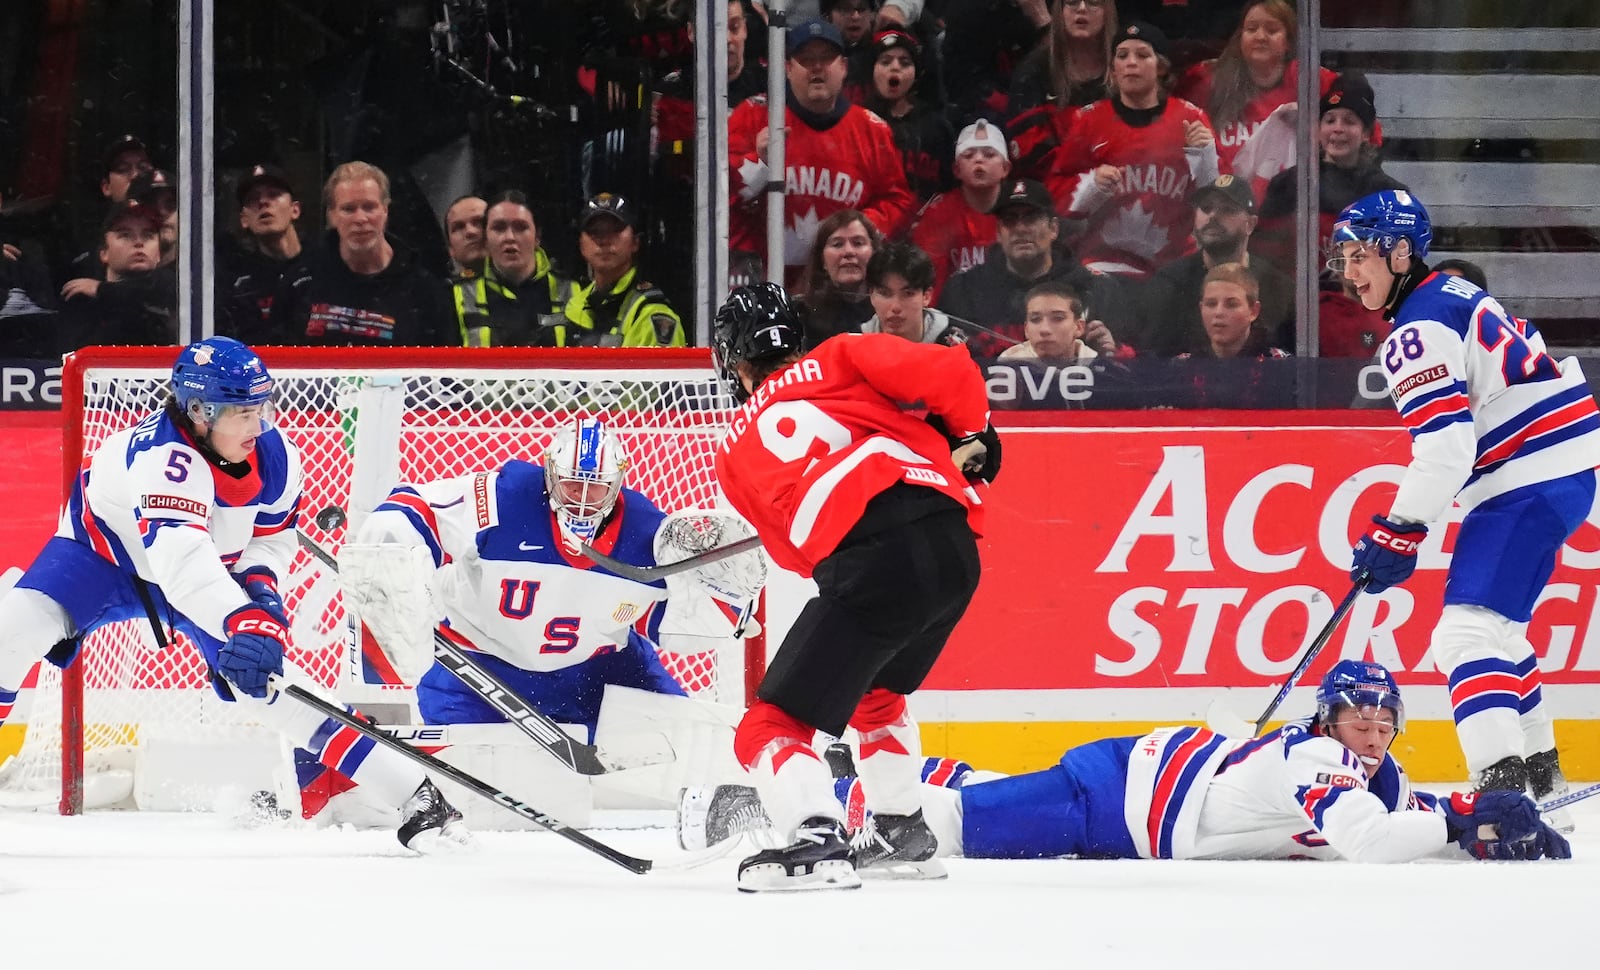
(364, 420)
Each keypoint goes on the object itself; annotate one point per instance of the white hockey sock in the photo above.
(1473, 646)
(1538, 731)
(941, 809)
(890, 766)
(30, 624)
(794, 785)
(389, 778)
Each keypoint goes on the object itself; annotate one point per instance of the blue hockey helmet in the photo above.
(756, 322)
(1358, 684)
(219, 372)
(1385, 218)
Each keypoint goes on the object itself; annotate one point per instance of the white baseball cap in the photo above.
(981, 134)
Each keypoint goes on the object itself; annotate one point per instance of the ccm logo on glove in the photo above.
(1405, 545)
(263, 625)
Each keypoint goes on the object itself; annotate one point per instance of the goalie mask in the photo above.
(583, 475)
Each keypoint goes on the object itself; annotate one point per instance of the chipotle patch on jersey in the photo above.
(1434, 373)
(480, 500)
(1337, 781)
(174, 503)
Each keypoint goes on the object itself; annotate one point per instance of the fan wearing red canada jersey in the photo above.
(1132, 162)
(836, 155)
(844, 486)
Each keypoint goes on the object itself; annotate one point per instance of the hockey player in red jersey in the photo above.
(845, 486)
(836, 155)
(1132, 162)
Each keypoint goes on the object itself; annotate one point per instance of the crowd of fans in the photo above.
(1042, 180)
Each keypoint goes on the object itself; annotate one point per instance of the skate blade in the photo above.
(1561, 821)
(774, 878)
(452, 840)
(905, 870)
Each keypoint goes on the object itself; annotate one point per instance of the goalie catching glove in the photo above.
(390, 587)
(976, 454)
(737, 579)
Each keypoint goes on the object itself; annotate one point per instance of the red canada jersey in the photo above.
(954, 234)
(1146, 221)
(853, 164)
(817, 441)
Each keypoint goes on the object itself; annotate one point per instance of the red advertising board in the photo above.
(1208, 557)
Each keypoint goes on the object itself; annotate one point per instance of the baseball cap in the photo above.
(895, 38)
(812, 30)
(155, 188)
(981, 134)
(131, 209)
(262, 175)
(608, 204)
(121, 145)
(1149, 33)
(1235, 190)
(1025, 192)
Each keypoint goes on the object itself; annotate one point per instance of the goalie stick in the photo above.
(472, 784)
(1228, 724)
(450, 650)
(649, 574)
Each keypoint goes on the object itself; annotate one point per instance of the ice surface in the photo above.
(176, 891)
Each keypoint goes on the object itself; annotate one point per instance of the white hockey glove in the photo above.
(390, 588)
(690, 532)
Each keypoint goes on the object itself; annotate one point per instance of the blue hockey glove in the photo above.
(1546, 843)
(254, 650)
(261, 586)
(1388, 553)
(1511, 813)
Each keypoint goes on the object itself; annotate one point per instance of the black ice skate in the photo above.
(819, 859)
(1507, 774)
(897, 847)
(1545, 781)
(429, 823)
(710, 816)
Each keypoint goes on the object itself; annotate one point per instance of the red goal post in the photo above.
(364, 419)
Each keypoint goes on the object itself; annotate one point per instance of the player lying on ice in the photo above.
(499, 554)
(1323, 787)
(186, 521)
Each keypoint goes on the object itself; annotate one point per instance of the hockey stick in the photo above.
(482, 789)
(450, 650)
(1226, 723)
(1563, 801)
(649, 574)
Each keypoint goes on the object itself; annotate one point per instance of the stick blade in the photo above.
(1223, 720)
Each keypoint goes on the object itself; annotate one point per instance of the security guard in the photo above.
(517, 296)
(615, 309)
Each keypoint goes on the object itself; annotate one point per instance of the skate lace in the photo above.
(868, 837)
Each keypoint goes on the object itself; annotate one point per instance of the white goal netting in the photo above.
(363, 421)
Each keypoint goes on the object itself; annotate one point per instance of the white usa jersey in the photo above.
(1290, 794)
(515, 589)
(148, 501)
(1487, 408)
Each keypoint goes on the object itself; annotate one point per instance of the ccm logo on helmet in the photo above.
(1402, 544)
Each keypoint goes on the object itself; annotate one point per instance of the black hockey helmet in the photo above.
(756, 322)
